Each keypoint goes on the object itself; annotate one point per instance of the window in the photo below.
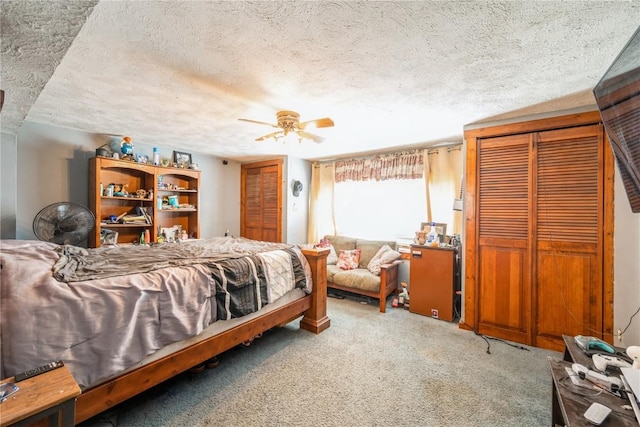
(385, 197)
(380, 210)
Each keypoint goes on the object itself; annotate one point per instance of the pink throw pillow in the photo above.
(349, 260)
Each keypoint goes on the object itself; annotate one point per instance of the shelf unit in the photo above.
(133, 176)
(184, 185)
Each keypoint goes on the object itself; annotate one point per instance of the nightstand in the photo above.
(45, 395)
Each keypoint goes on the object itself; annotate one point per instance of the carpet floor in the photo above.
(367, 369)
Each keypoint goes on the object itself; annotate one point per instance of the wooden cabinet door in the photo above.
(261, 201)
(503, 259)
(432, 274)
(568, 228)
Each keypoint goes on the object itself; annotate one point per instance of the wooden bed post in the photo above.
(315, 319)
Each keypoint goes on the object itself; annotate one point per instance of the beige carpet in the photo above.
(367, 369)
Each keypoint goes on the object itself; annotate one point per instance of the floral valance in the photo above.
(404, 165)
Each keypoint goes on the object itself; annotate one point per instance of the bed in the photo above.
(124, 319)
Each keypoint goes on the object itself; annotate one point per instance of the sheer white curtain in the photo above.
(443, 184)
(321, 204)
(361, 198)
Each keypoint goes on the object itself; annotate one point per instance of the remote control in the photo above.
(39, 370)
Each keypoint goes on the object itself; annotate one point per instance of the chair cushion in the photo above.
(331, 271)
(360, 278)
(384, 256)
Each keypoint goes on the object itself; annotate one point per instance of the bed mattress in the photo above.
(102, 321)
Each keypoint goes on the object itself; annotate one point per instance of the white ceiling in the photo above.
(390, 74)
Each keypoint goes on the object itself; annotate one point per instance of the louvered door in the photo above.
(568, 229)
(504, 292)
(539, 231)
(261, 201)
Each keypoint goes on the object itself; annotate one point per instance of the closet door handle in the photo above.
(416, 254)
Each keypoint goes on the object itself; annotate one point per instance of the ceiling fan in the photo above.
(289, 122)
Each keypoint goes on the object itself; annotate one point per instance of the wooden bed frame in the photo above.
(313, 307)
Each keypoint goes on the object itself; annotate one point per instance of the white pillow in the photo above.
(332, 258)
(385, 255)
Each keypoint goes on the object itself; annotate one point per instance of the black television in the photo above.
(618, 97)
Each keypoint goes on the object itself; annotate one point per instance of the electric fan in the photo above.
(64, 223)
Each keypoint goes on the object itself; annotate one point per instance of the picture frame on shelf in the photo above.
(182, 159)
(171, 234)
(441, 229)
(108, 237)
(142, 158)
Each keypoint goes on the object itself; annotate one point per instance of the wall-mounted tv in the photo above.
(618, 98)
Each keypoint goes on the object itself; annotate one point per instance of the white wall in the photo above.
(296, 213)
(53, 167)
(8, 146)
(626, 277)
(220, 196)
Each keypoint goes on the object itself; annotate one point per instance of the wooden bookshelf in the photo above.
(158, 183)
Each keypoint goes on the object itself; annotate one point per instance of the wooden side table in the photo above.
(45, 395)
(432, 283)
(569, 403)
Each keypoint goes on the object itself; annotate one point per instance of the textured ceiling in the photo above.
(390, 74)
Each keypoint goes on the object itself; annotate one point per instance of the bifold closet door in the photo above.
(539, 230)
(503, 294)
(568, 228)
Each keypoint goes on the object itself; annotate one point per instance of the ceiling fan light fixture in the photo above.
(291, 128)
(288, 120)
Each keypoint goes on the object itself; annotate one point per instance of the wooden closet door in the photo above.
(568, 228)
(539, 230)
(261, 201)
(503, 299)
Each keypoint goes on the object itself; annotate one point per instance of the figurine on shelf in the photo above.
(126, 146)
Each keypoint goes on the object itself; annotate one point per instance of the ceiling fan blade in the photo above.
(307, 135)
(274, 135)
(260, 123)
(317, 123)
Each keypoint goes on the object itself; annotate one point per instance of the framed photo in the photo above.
(441, 229)
(182, 158)
(108, 237)
(171, 234)
(141, 158)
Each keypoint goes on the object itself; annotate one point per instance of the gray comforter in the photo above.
(115, 306)
(76, 264)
